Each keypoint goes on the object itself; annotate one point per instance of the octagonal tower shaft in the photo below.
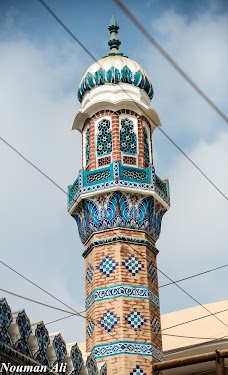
(118, 203)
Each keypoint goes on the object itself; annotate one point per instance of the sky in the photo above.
(40, 70)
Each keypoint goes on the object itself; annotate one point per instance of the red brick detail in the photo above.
(140, 145)
(128, 112)
(116, 154)
(92, 145)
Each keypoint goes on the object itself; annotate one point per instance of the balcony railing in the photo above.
(117, 174)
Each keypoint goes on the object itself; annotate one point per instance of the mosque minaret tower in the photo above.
(118, 203)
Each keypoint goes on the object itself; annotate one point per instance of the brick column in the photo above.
(116, 154)
(92, 164)
(140, 144)
(122, 301)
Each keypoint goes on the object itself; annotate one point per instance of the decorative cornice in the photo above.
(128, 347)
(117, 180)
(118, 209)
(121, 290)
(135, 241)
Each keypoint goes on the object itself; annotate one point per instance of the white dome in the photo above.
(118, 62)
(113, 70)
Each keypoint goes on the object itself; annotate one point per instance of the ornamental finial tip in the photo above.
(114, 41)
(113, 22)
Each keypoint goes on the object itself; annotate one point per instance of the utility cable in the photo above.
(170, 59)
(40, 303)
(192, 276)
(162, 131)
(193, 320)
(183, 290)
(39, 287)
(32, 164)
(175, 283)
(76, 312)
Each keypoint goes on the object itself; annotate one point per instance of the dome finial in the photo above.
(114, 41)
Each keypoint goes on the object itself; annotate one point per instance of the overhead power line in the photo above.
(153, 41)
(40, 303)
(178, 286)
(71, 314)
(193, 320)
(39, 287)
(53, 14)
(196, 275)
(76, 312)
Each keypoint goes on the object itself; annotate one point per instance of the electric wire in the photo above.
(194, 320)
(158, 127)
(183, 290)
(77, 314)
(39, 287)
(192, 276)
(40, 303)
(162, 51)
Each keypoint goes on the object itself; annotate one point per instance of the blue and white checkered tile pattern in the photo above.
(155, 324)
(135, 319)
(90, 328)
(152, 272)
(137, 371)
(107, 266)
(89, 273)
(133, 265)
(108, 321)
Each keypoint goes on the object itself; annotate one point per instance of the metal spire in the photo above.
(114, 41)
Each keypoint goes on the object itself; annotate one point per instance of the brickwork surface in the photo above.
(121, 307)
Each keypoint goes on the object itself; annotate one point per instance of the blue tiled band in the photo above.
(122, 290)
(127, 347)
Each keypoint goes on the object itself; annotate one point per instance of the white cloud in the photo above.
(38, 106)
(194, 233)
(199, 46)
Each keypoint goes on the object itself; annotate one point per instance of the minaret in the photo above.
(118, 203)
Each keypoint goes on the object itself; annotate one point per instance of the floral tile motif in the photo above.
(90, 328)
(107, 266)
(77, 360)
(59, 346)
(108, 321)
(152, 272)
(135, 319)
(155, 324)
(133, 265)
(89, 273)
(92, 365)
(137, 371)
(5, 321)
